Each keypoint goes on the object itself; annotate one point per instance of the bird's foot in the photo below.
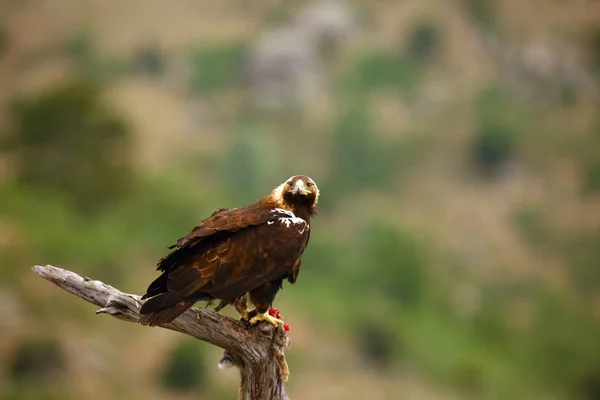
(267, 317)
(273, 312)
(247, 315)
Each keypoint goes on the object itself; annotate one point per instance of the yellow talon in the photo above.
(266, 317)
(245, 315)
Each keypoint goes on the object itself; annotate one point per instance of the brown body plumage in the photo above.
(235, 253)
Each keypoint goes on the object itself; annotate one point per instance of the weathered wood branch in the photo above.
(256, 351)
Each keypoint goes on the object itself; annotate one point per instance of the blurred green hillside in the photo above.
(456, 145)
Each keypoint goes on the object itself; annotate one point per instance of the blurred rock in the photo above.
(332, 23)
(283, 69)
(285, 65)
(549, 71)
(149, 60)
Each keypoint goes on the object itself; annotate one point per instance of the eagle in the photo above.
(236, 255)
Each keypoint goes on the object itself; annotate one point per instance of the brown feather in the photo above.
(165, 315)
(232, 252)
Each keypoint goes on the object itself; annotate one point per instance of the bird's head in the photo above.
(297, 192)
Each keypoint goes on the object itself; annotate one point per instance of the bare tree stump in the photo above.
(256, 351)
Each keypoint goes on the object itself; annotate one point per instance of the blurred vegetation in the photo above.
(216, 67)
(398, 265)
(356, 160)
(496, 132)
(531, 225)
(494, 146)
(582, 253)
(149, 60)
(381, 71)
(37, 360)
(591, 178)
(35, 367)
(91, 66)
(243, 169)
(425, 41)
(35, 392)
(80, 47)
(593, 49)
(404, 298)
(65, 139)
(96, 245)
(185, 368)
(483, 12)
(376, 343)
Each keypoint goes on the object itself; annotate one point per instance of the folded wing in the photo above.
(233, 252)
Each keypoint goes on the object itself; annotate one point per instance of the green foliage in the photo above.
(397, 263)
(185, 369)
(352, 146)
(66, 140)
(438, 354)
(357, 159)
(323, 260)
(73, 238)
(582, 255)
(483, 12)
(37, 360)
(334, 272)
(153, 217)
(90, 65)
(216, 67)
(245, 169)
(424, 42)
(588, 386)
(376, 343)
(474, 356)
(561, 359)
(493, 147)
(162, 210)
(567, 96)
(240, 170)
(381, 71)
(80, 47)
(594, 49)
(489, 322)
(37, 391)
(495, 137)
(591, 179)
(531, 225)
(279, 16)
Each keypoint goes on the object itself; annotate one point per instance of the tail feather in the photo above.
(158, 286)
(163, 309)
(165, 316)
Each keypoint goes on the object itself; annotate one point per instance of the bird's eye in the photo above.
(309, 184)
(290, 183)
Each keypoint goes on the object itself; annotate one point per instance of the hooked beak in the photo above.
(300, 188)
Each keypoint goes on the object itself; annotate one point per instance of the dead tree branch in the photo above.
(257, 351)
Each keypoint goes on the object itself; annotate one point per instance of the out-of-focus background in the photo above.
(456, 254)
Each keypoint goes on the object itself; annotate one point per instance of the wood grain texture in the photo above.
(258, 351)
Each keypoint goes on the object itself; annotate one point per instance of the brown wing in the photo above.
(293, 274)
(226, 220)
(235, 251)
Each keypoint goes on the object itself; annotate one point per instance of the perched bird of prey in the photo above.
(236, 254)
